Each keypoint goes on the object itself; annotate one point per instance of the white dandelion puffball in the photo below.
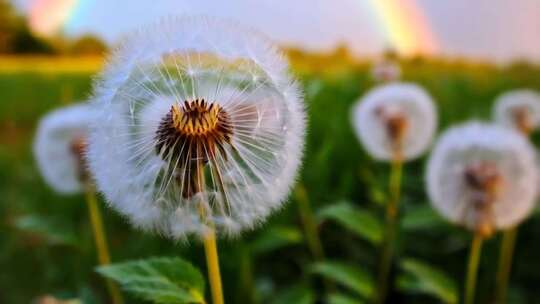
(519, 109)
(58, 146)
(199, 126)
(395, 120)
(483, 176)
(385, 71)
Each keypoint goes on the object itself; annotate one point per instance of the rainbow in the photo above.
(47, 17)
(405, 26)
(403, 22)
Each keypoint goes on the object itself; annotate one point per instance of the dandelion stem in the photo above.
(505, 263)
(209, 239)
(309, 223)
(100, 239)
(391, 222)
(311, 232)
(472, 268)
(507, 252)
(246, 288)
(212, 261)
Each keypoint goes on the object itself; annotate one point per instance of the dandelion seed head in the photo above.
(385, 71)
(200, 126)
(397, 118)
(519, 109)
(482, 176)
(59, 147)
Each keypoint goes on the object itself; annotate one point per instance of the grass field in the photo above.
(46, 244)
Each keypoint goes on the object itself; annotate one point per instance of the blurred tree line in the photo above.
(17, 38)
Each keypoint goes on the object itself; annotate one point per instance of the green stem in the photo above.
(472, 268)
(100, 239)
(309, 223)
(212, 262)
(246, 290)
(505, 263)
(311, 232)
(391, 222)
(209, 238)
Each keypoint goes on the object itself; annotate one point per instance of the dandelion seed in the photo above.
(395, 120)
(519, 109)
(483, 177)
(59, 146)
(216, 133)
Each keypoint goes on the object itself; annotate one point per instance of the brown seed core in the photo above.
(522, 119)
(396, 125)
(485, 182)
(190, 135)
(78, 147)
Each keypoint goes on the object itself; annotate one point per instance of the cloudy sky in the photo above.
(499, 30)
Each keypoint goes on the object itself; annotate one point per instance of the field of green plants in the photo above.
(46, 244)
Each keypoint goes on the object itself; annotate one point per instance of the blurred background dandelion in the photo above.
(323, 246)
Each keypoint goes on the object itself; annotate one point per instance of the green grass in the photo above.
(45, 239)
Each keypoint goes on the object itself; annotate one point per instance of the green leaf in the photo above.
(343, 299)
(299, 294)
(423, 278)
(55, 232)
(350, 276)
(421, 217)
(362, 222)
(159, 280)
(276, 237)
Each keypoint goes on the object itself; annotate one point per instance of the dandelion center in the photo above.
(396, 125)
(522, 119)
(484, 180)
(191, 135)
(77, 148)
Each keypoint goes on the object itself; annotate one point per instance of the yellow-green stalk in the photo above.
(100, 239)
(472, 268)
(509, 236)
(392, 208)
(209, 242)
(309, 222)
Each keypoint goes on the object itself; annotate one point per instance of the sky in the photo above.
(498, 30)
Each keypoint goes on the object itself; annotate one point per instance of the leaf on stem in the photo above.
(420, 277)
(275, 238)
(53, 231)
(350, 276)
(360, 221)
(159, 280)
